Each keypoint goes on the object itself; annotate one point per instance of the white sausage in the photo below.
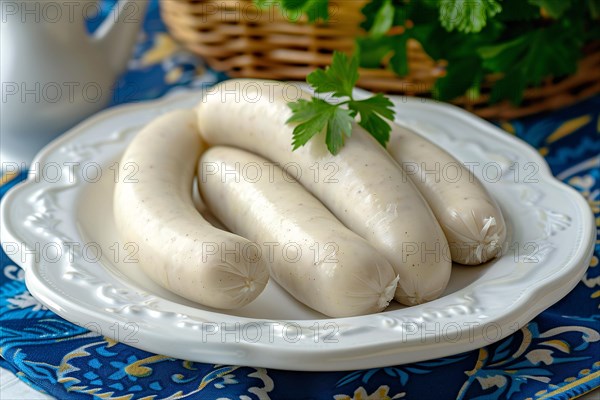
(177, 248)
(469, 216)
(372, 195)
(309, 252)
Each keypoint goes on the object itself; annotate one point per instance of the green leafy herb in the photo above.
(465, 68)
(467, 15)
(370, 51)
(294, 9)
(399, 61)
(371, 111)
(521, 42)
(339, 78)
(384, 18)
(317, 115)
(528, 59)
(459, 78)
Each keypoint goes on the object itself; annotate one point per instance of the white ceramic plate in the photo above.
(80, 269)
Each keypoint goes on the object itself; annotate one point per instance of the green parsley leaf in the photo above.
(338, 126)
(383, 19)
(399, 61)
(294, 4)
(312, 117)
(314, 9)
(500, 57)
(432, 37)
(510, 87)
(316, 115)
(467, 15)
(317, 9)
(339, 78)
(456, 31)
(377, 103)
(527, 59)
(370, 51)
(371, 111)
(457, 80)
(370, 11)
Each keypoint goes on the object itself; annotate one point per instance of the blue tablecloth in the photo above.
(555, 356)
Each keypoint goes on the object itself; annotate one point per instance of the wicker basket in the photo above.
(236, 37)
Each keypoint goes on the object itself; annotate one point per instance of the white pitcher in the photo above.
(53, 73)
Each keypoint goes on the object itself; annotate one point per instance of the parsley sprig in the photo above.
(520, 42)
(316, 115)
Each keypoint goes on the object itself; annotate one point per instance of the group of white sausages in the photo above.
(372, 234)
